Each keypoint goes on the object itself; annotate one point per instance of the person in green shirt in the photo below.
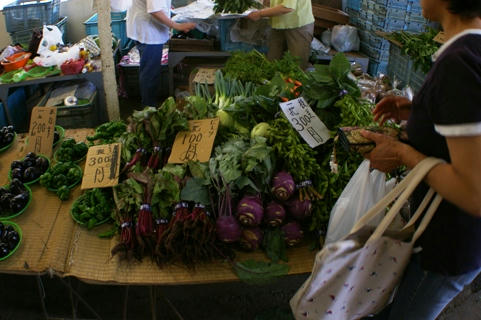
(292, 28)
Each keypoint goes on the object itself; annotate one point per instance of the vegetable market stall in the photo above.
(53, 243)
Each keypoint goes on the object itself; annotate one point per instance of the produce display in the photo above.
(58, 134)
(263, 187)
(71, 151)
(14, 198)
(235, 6)
(10, 238)
(7, 135)
(420, 47)
(93, 208)
(29, 169)
(61, 178)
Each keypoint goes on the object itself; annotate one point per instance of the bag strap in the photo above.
(429, 196)
(427, 218)
(424, 167)
(381, 205)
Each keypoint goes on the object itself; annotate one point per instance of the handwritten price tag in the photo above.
(196, 144)
(306, 122)
(205, 75)
(440, 37)
(42, 128)
(102, 166)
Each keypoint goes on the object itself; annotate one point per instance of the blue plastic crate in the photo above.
(17, 108)
(386, 26)
(401, 68)
(25, 15)
(416, 26)
(23, 37)
(226, 43)
(377, 67)
(393, 3)
(354, 4)
(389, 22)
(374, 53)
(386, 11)
(118, 28)
(415, 6)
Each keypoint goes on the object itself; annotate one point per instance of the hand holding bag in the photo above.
(355, 277)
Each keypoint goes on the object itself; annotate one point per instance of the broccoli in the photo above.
(70, 150)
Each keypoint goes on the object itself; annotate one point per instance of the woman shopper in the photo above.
(444, 121)
(149, 24)
(292, 28)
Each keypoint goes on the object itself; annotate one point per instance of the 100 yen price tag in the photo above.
(102, 166)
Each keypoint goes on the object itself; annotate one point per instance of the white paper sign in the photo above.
(306, 122)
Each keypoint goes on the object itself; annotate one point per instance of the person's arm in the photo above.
(182, 27)
(458, 182)
(269, 12)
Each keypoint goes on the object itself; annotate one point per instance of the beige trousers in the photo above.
(297, 41)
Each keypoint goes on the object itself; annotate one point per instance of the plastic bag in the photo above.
(345, 38)
(364, 190)
(54, 58)
(326, 37)
(52, 36)
(120, 5)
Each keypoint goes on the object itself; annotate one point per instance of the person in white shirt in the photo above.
(149, 24)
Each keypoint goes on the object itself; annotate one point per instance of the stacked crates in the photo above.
(384, 16)
(23, 16)
(401, 68)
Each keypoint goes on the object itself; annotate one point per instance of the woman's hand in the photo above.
(385, 157)
(184, 27)
(392, 107)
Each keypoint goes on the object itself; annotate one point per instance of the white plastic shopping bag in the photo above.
(363, 191)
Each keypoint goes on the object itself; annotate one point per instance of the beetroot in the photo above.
(292, 233)
(228, 229)
(251, 238)
(283, 186)
(298, 209)
(250, 211)
(274, 214)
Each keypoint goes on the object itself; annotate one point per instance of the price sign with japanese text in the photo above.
(205, 75)
(306, 122)
(195, 144)
(102, 166)
(42, 128)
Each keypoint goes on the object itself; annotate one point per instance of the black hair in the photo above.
(467, 9)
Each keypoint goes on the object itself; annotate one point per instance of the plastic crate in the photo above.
(118, 15)
(24, 37)
(118, 28)
(416, 26)
(17, 109)
(226, 44)
(25, 15)
(386, 26)
(401, 68)
(354, 5)
(373, 53)
(377, 67)
(386, 11)
(393, 3)
(389, 22)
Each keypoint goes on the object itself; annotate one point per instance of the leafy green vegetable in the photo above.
(70, 150)
(275, 245)
(420, 47)
(253, 66)
(108, 132)
(259, 272)
(196, 190)
(326, 84)
(93, 207)
(235, 6)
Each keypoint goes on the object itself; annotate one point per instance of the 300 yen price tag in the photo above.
(196, 144)
(205, 75)
(306, 122)
(102, 166)
(42, 128)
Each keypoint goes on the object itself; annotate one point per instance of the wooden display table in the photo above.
(53, 243)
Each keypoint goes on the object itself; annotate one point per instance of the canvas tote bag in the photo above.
(356, 276)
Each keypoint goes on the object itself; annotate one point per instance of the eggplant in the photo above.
(16, 186)
(16, 164)
(8, 138)
(10, 128)
(17, 205)
(29, 162)
(31, 155)
(4, 250)
(30, 174)
(41, 164)
(56, 137)
(17, 174)
(5, 202)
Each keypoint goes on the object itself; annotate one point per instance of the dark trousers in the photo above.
(150, 73)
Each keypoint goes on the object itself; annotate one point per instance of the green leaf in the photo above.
(259, 272)
(339, 66)
(195, 190)
(275, 245)
(243, 182)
